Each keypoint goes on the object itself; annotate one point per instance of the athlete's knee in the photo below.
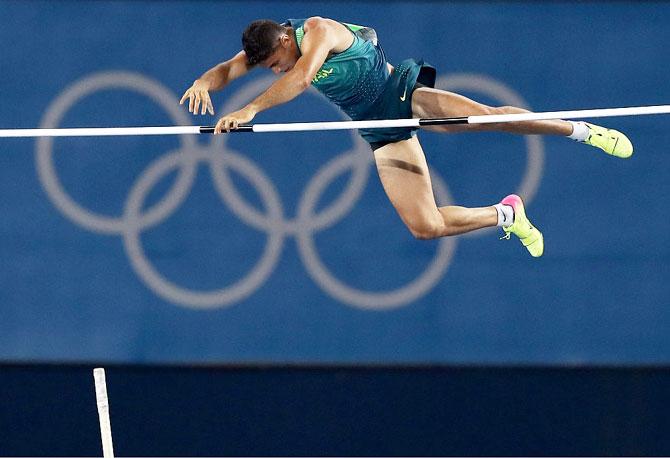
(423, 234)
(426, 229)
(487, 110)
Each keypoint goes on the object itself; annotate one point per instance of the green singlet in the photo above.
(358, 81)
(352, 79)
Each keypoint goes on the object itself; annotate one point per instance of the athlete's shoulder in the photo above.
(319, 22)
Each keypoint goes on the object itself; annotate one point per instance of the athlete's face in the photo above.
(283, 58)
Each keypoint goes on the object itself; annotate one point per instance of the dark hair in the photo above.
(259, 39)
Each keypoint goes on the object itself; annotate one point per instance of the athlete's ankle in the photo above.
(505, 215)
(580, 131)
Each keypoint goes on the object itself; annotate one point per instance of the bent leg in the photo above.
(436, 103)
(404, 175)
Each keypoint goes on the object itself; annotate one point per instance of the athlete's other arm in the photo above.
(214, 79)
(317, 42)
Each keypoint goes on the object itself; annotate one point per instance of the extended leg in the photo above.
(436, 103)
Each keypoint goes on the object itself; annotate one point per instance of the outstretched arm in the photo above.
(316, 45)
(214, 79)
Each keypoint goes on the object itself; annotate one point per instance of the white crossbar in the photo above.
(574, 114)
(100, 131)
(339, 125)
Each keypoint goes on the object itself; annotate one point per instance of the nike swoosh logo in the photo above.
(404, 95)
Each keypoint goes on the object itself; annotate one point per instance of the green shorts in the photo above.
(396, 102)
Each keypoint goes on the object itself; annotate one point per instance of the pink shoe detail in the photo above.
(512, 200)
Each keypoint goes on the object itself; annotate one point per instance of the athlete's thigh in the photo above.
(435, 103)
(404, 175)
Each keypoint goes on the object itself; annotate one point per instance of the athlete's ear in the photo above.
(285, 40)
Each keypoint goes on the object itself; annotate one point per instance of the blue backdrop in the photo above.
(283, 247)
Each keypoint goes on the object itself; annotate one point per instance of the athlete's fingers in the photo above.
(222, 125)
(205, 104)
(191, 98)
(227, 124)
(210, 107)
(197, 103)
(184, 97)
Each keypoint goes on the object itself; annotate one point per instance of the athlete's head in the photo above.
(267, 43)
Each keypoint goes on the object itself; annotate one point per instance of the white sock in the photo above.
(580, 131)
(505, 215)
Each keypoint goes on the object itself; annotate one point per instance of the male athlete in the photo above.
(349, 67)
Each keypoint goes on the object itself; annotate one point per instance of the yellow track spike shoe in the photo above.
(611, 141)
(530, 237)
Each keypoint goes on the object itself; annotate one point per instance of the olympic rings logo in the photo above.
(274, 223)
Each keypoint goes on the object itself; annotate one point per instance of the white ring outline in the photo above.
(44, 157)
(303, 226)
(167, 289)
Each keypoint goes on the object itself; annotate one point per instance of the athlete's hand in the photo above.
(233, 120)
(198, 94)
